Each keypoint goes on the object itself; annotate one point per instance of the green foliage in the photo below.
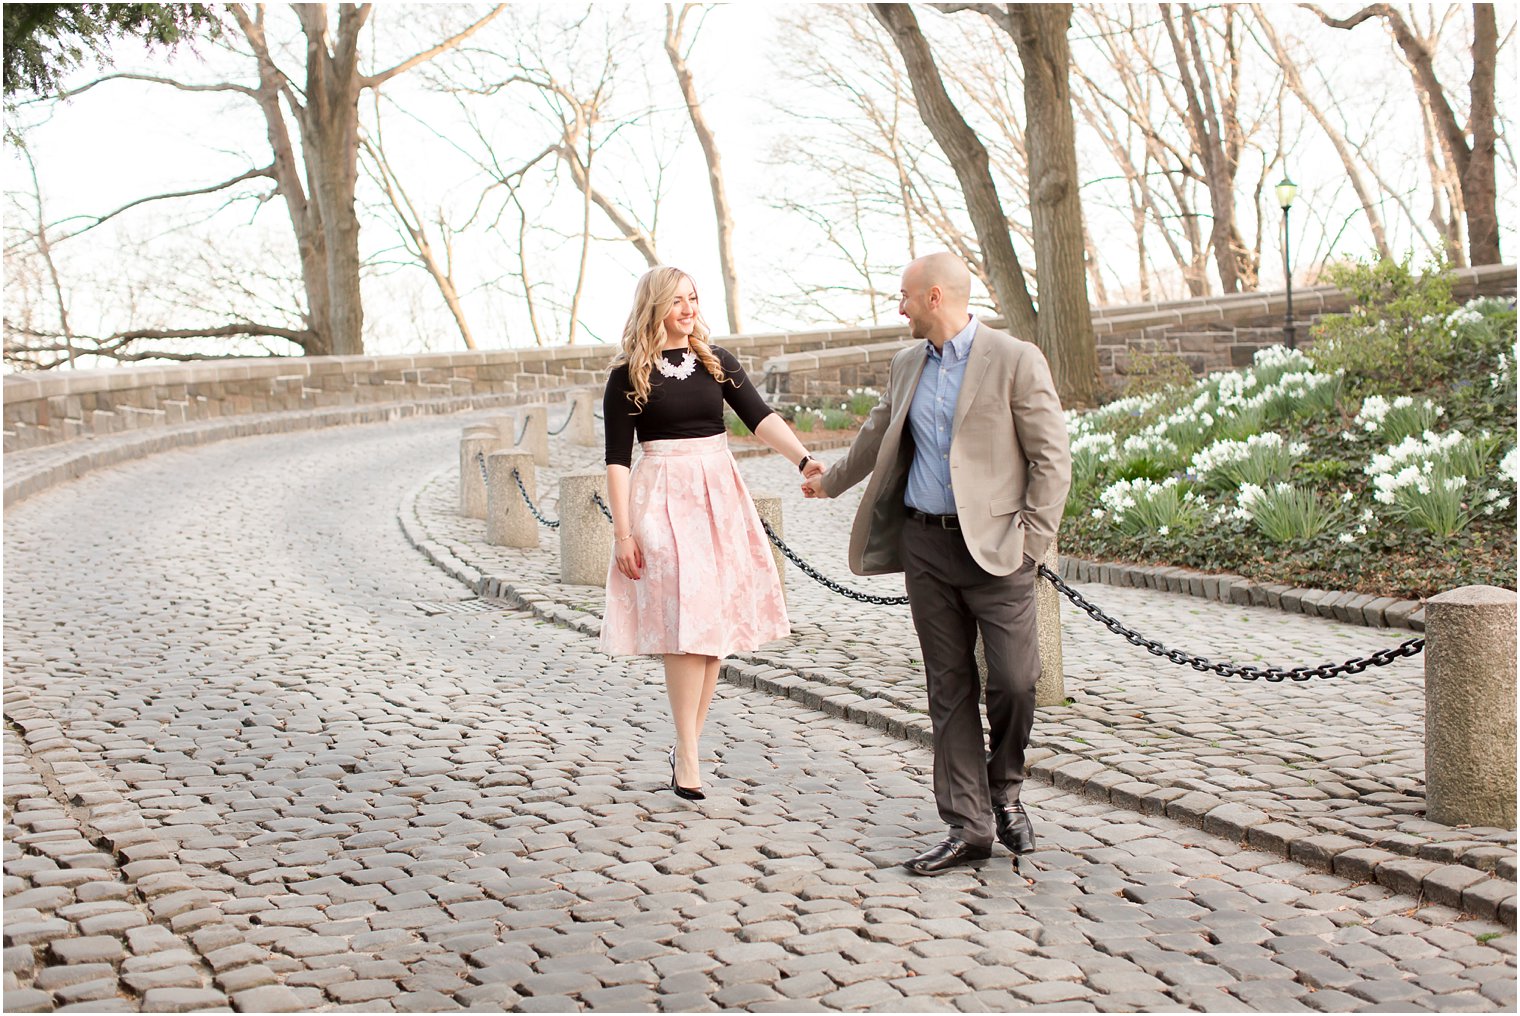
(734, 425)
(1285, 513)
(1158, 371)
(1394, 336)
(837, 419)
(861, 401)
(1342, 509)
(43, 42)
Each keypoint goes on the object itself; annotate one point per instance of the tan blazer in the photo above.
(1010, 463)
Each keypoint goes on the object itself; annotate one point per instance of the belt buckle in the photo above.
(949, 522)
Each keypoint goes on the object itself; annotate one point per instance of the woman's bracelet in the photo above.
(802, 462)
(620, 539)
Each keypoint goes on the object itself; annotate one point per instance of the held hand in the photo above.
(812, 487)
(630, 557)
(814, 468)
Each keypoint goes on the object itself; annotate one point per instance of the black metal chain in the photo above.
(568, 416)
(1381, 658)
(517, 475)
(828, 583)
(480, 458)
(523, 432)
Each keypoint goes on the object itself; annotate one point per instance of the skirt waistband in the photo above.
(686, 445)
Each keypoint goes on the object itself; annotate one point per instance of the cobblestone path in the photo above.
(243, 771)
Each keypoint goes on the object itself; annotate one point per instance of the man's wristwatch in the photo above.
(802, 463)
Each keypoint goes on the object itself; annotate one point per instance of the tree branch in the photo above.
(374, 80)
(222, 86)
(267, 171)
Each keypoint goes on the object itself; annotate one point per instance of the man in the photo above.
(969, 464)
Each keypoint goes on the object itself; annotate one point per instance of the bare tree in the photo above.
(1217, 136)
(316, 178)
(1472, 163)
(968, 157)
(418, 241)
(1295, 81)
(1064, 328)
(678, 51)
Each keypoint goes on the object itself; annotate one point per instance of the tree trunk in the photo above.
(1205, 128)
(305, 217)
(1065, 329)
(331, 132)
(709, 142)
(969, 159)
(1295, 82)
(1472, 165)
(1478, 187)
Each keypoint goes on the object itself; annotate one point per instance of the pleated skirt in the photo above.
(709, 584)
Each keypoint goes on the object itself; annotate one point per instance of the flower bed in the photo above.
(1339, 469)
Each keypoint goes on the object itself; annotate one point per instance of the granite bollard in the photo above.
(477, 441)
(534, 421)
(1050, 689)
(509, 523)
(769, 510)
(582, 426)
(1470, 707)
(506, 427)
(585, 535)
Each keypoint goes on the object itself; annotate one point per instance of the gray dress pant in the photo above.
(951, 596)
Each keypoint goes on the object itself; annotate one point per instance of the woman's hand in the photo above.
(629, 556)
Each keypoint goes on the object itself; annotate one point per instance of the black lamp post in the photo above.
(1286, 191)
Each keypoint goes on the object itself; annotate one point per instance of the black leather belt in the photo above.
(934, 521)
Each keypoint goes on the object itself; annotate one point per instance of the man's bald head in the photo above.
(944, 270)
(936, 290)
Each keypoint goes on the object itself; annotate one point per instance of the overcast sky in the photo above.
(124, 139)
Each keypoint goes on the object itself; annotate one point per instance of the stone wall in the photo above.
(47, 408)
(1208, 334)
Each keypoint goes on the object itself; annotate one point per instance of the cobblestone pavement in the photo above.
(1328, 772)
(242, 770)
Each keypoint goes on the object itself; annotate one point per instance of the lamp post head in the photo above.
(1286, 192)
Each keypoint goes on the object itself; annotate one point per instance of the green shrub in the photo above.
(836, 419)
(734, 425)
(1395, 334)
(1159, 371)
(861, 401)
(1285, 513)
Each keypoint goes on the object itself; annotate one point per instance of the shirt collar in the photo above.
(960, 343)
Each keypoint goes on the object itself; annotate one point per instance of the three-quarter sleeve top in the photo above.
(677, 408)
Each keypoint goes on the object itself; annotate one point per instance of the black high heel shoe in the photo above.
(686, 792)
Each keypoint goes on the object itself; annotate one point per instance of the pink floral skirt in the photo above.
(709, 584)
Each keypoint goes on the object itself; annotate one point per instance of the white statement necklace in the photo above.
(681, 373)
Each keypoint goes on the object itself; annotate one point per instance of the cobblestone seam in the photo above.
(1479, 892)
(1337, 605)
(98, 916)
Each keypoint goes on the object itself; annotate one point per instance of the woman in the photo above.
(692, 578)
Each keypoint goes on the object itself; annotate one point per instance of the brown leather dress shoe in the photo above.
(1014, 830)
(950, 853)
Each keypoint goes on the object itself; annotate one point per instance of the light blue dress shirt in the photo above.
(932, 419)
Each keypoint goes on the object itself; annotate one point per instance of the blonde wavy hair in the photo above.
(644, 334)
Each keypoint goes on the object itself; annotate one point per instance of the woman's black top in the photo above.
(689, 407)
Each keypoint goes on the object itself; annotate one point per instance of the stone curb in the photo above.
(1484, 888)
(95, 453)
(1337, 605)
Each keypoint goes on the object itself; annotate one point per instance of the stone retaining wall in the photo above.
(45, 408)
(1208, 334)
